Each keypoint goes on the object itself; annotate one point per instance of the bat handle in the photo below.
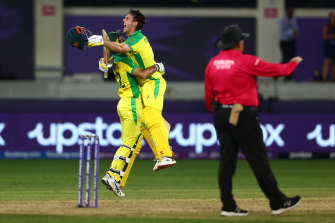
(106, 74)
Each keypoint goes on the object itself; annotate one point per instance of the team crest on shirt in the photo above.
(223, 64)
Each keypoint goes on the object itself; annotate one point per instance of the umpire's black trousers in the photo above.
(248, 136)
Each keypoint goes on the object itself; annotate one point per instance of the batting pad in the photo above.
(149, 140)
(154, 121)
(127, 169)
(123, 161)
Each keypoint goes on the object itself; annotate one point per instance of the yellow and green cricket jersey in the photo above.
(141, 53)
(123, 68)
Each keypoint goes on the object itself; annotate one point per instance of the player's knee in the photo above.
(152, 117)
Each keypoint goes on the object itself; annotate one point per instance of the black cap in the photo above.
(230, 36)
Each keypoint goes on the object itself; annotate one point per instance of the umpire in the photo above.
(231, 95)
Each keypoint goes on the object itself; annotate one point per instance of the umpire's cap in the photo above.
(230, 36)
(74, 37)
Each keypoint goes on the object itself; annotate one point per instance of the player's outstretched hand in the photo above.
(95, 40)
(160, 68)
(296, 59)
(103, 67)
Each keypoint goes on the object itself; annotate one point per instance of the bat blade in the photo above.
(167, 125)
(106, 51)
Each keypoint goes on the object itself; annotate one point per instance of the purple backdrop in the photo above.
(184, 45)
(310, 47)
(17, 38)
(191, 136)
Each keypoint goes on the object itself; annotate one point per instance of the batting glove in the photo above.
(95, 40)
(104, 67)
(160, 68)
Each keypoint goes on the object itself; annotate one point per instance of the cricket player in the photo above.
(138, 49)
(129, 110)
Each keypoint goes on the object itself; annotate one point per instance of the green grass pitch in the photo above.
(189, 184)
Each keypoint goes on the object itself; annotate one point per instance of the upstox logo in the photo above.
(67, 134)
(58, 137)
(271, 134)
(197, 135)
(2, 141)
(320, 136)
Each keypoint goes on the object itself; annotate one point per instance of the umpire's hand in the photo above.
(296, 59)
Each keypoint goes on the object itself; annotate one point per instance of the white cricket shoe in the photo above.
(112, 185)
(164, 163)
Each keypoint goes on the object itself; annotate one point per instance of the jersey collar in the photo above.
(135, 33)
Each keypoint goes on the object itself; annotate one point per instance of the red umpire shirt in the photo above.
(230, 77)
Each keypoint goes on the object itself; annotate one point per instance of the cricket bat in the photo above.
(106, 52)
(168, 126)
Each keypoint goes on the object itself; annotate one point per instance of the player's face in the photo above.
(128, 24)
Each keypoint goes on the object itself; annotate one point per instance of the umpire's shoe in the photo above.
(234, 212)
(112, 185)
(287, 205)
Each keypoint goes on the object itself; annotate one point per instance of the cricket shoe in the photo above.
(171, 153)
(235, 212)
(112, 185)
(164, 163)
(287, 205)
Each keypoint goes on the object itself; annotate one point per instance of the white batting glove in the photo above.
(104, 67)
(95, 40)
(160, 68)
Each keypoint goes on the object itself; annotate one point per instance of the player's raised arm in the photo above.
(97, 40)
(117, 47)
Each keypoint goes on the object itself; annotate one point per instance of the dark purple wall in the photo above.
(184, 45)
(17, 39)
(310, 47)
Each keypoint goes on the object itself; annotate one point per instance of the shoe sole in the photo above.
(110, 188)
(281, 210)
(163, 167)
(106, 184)
(233, 214)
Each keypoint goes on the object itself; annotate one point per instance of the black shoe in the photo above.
(288, 205)
(236, 212)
